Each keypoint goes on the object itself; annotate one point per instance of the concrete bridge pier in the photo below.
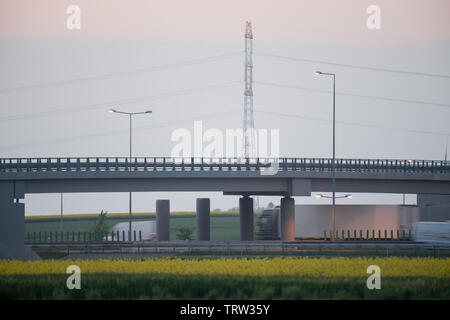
(12, 222)
(163, 220)
(287, 212)
(12, 215)
(246, 218)
(203, 219)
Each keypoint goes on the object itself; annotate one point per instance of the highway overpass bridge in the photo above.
(288, 177)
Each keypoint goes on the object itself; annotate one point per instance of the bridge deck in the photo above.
(24, 165)
(283, 176)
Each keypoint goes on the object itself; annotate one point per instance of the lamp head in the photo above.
(349, 196)
(318, 72)
(148, 111)
(111, 110)
(319, 195)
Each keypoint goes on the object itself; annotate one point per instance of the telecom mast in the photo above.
(249, 124)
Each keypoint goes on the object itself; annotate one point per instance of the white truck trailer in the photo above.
(432, 232)
(147, 229)
(312, 220)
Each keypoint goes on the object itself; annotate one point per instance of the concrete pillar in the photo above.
(246, 218)
(203, 219)
(287, 218)
(163, 220)
(12, 215)
(12, 222)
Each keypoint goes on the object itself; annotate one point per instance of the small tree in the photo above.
(184, 233)
(101, 225)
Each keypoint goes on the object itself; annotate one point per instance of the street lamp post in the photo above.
(334, 150)
(61, 212)
(130, 114)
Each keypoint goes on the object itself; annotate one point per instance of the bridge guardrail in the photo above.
(15, 165)
(376, 248)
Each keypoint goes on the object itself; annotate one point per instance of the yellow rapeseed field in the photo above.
(288, 266)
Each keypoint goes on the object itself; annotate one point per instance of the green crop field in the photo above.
(160, 286)
(224, 226)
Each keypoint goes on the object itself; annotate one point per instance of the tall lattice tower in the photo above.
(249, 123)
(249, 135)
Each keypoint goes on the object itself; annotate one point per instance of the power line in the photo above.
(118, 102)
(353, 123)
(213, 115)
(123, 73)
(119, 131)
(354, 94)
(167, 95)
(424, 74)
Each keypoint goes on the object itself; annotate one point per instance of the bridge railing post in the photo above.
(18, 162)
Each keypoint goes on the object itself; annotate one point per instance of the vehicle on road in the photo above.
(267, 224)
(432, 232)
(313, 222)
(147, 229)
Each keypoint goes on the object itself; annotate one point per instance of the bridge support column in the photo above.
(287, 212)
(203, 219)
(163, 220)
(246, 218)
(12, 222)
(12, 215)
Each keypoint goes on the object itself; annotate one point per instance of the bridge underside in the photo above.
(235, 186)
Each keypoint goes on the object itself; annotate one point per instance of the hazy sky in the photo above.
(44, 116)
